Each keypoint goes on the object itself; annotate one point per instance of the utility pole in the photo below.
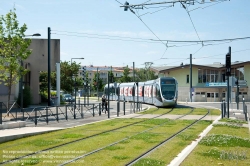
(228, 73)
(49, 32)
(237, 93)
(97, 84)
(190, 79)
(134, 84)
(108, 96)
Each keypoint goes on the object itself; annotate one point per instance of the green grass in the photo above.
(182, 111)
(203, 111)
(224, 145)
(228, 120)
(232, 125)
(224, 140)
(118, 154)
(156, 111)
(113, 147)
(167, 152)
(149, 162)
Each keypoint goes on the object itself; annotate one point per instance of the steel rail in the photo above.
(163, 142)
(97, 150)
(77, 140)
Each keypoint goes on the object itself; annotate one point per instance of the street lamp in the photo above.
(21, 79)
(72, 73)
(75, 58)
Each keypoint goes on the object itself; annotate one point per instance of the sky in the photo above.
(104, 34)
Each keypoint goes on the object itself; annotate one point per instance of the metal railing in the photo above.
(46, 114)
(63, 112)
(224, 112)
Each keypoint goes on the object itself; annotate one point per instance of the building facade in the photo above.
(103, 71)
(208, 83)
(35, 63)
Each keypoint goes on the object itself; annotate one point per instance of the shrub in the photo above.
(27, 98)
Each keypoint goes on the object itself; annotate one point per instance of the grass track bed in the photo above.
(224, 145)
(137, 145)
(118, 154)
(182, 111)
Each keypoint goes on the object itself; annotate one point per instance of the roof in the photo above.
(214, 65)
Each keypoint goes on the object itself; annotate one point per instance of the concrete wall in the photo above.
(38, 61)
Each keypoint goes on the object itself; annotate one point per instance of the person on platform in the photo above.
(104, 100)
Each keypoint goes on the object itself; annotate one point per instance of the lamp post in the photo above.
(70, 65)
(190, 79)
(49, 32)
(21, 79)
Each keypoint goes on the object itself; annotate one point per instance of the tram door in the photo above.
(212, 97)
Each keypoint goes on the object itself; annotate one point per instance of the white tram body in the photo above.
(162, 92)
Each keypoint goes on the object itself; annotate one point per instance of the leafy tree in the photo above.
(125, 77)
(97, 81)
(13, 50)
(144, 75)
(43, 81)
(111, 77)
(68, 71)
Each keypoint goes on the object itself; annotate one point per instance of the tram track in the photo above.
(97, 150)
(164, 141)
(77, 140)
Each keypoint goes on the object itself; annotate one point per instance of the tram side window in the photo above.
(158, 93)
(143, 91)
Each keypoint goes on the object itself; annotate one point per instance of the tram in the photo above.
(161, 92)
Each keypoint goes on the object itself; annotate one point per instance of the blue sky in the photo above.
(85, 29)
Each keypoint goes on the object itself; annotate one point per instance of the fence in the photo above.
(57, 113)
(244, 106)
(45, 113)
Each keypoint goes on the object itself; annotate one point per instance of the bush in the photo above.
(27, 98)
(44, 96)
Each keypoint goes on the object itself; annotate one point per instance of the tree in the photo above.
(144, 75)
(97, 81)
(13, 50)
(67, 71)
(125, 77)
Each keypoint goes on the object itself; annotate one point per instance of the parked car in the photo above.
(68, 98)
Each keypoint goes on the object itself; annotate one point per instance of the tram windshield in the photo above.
(168, 89)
